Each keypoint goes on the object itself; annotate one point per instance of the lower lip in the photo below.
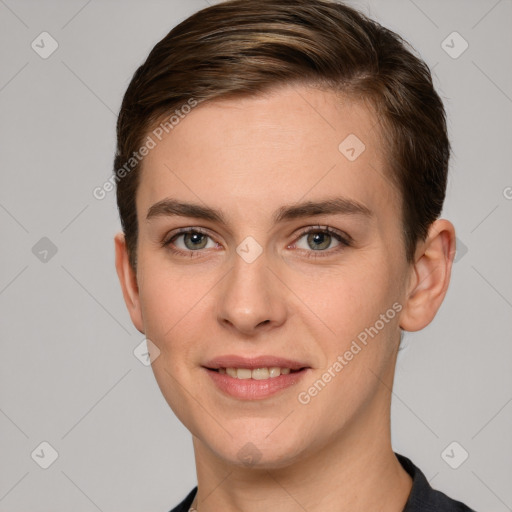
(252, 389)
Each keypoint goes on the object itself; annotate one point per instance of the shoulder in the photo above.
(425, 499)
(185, 504)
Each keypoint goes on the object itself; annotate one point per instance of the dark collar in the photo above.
(422, 497)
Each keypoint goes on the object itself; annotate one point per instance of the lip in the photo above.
(252, 389)
(234, 361)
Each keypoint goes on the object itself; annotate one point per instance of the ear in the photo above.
(128, 281)
(430, 276)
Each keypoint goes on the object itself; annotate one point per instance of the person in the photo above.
(281, 167)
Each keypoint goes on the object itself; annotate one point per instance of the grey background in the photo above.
(68, 375)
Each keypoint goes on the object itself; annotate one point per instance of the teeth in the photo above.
(260, 373)
(275, 371)
(257, 373)
(243, 373)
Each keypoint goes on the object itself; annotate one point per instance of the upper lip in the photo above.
(234, 361)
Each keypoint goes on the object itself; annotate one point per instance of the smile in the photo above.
(254, 378)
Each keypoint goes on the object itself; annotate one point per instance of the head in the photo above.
(253, 122)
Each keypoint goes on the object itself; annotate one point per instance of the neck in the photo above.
(356, 471)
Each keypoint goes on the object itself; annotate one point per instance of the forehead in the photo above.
(254, 154)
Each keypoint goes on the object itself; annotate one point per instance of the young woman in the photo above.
(281, 168)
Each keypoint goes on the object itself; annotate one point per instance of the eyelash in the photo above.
(345, 241)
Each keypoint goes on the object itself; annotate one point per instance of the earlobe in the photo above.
(128, 282)
(430, 276)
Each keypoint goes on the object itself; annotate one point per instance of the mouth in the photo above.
(254, 378)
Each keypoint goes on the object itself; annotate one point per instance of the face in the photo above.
(290, 270)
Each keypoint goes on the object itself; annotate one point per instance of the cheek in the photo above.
(171, 303)
(347, 299)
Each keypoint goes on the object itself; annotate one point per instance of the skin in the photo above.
(249, 157)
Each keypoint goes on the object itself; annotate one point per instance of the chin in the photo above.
(259, 451)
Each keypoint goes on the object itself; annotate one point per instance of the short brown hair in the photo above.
(243, 47)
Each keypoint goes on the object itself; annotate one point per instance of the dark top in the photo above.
(421, 499)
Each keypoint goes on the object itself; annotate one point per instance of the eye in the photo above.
(189, 240)
(320, 239)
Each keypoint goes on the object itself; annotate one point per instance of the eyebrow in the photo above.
(333, 206)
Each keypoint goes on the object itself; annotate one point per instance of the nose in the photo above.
(251, 299)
